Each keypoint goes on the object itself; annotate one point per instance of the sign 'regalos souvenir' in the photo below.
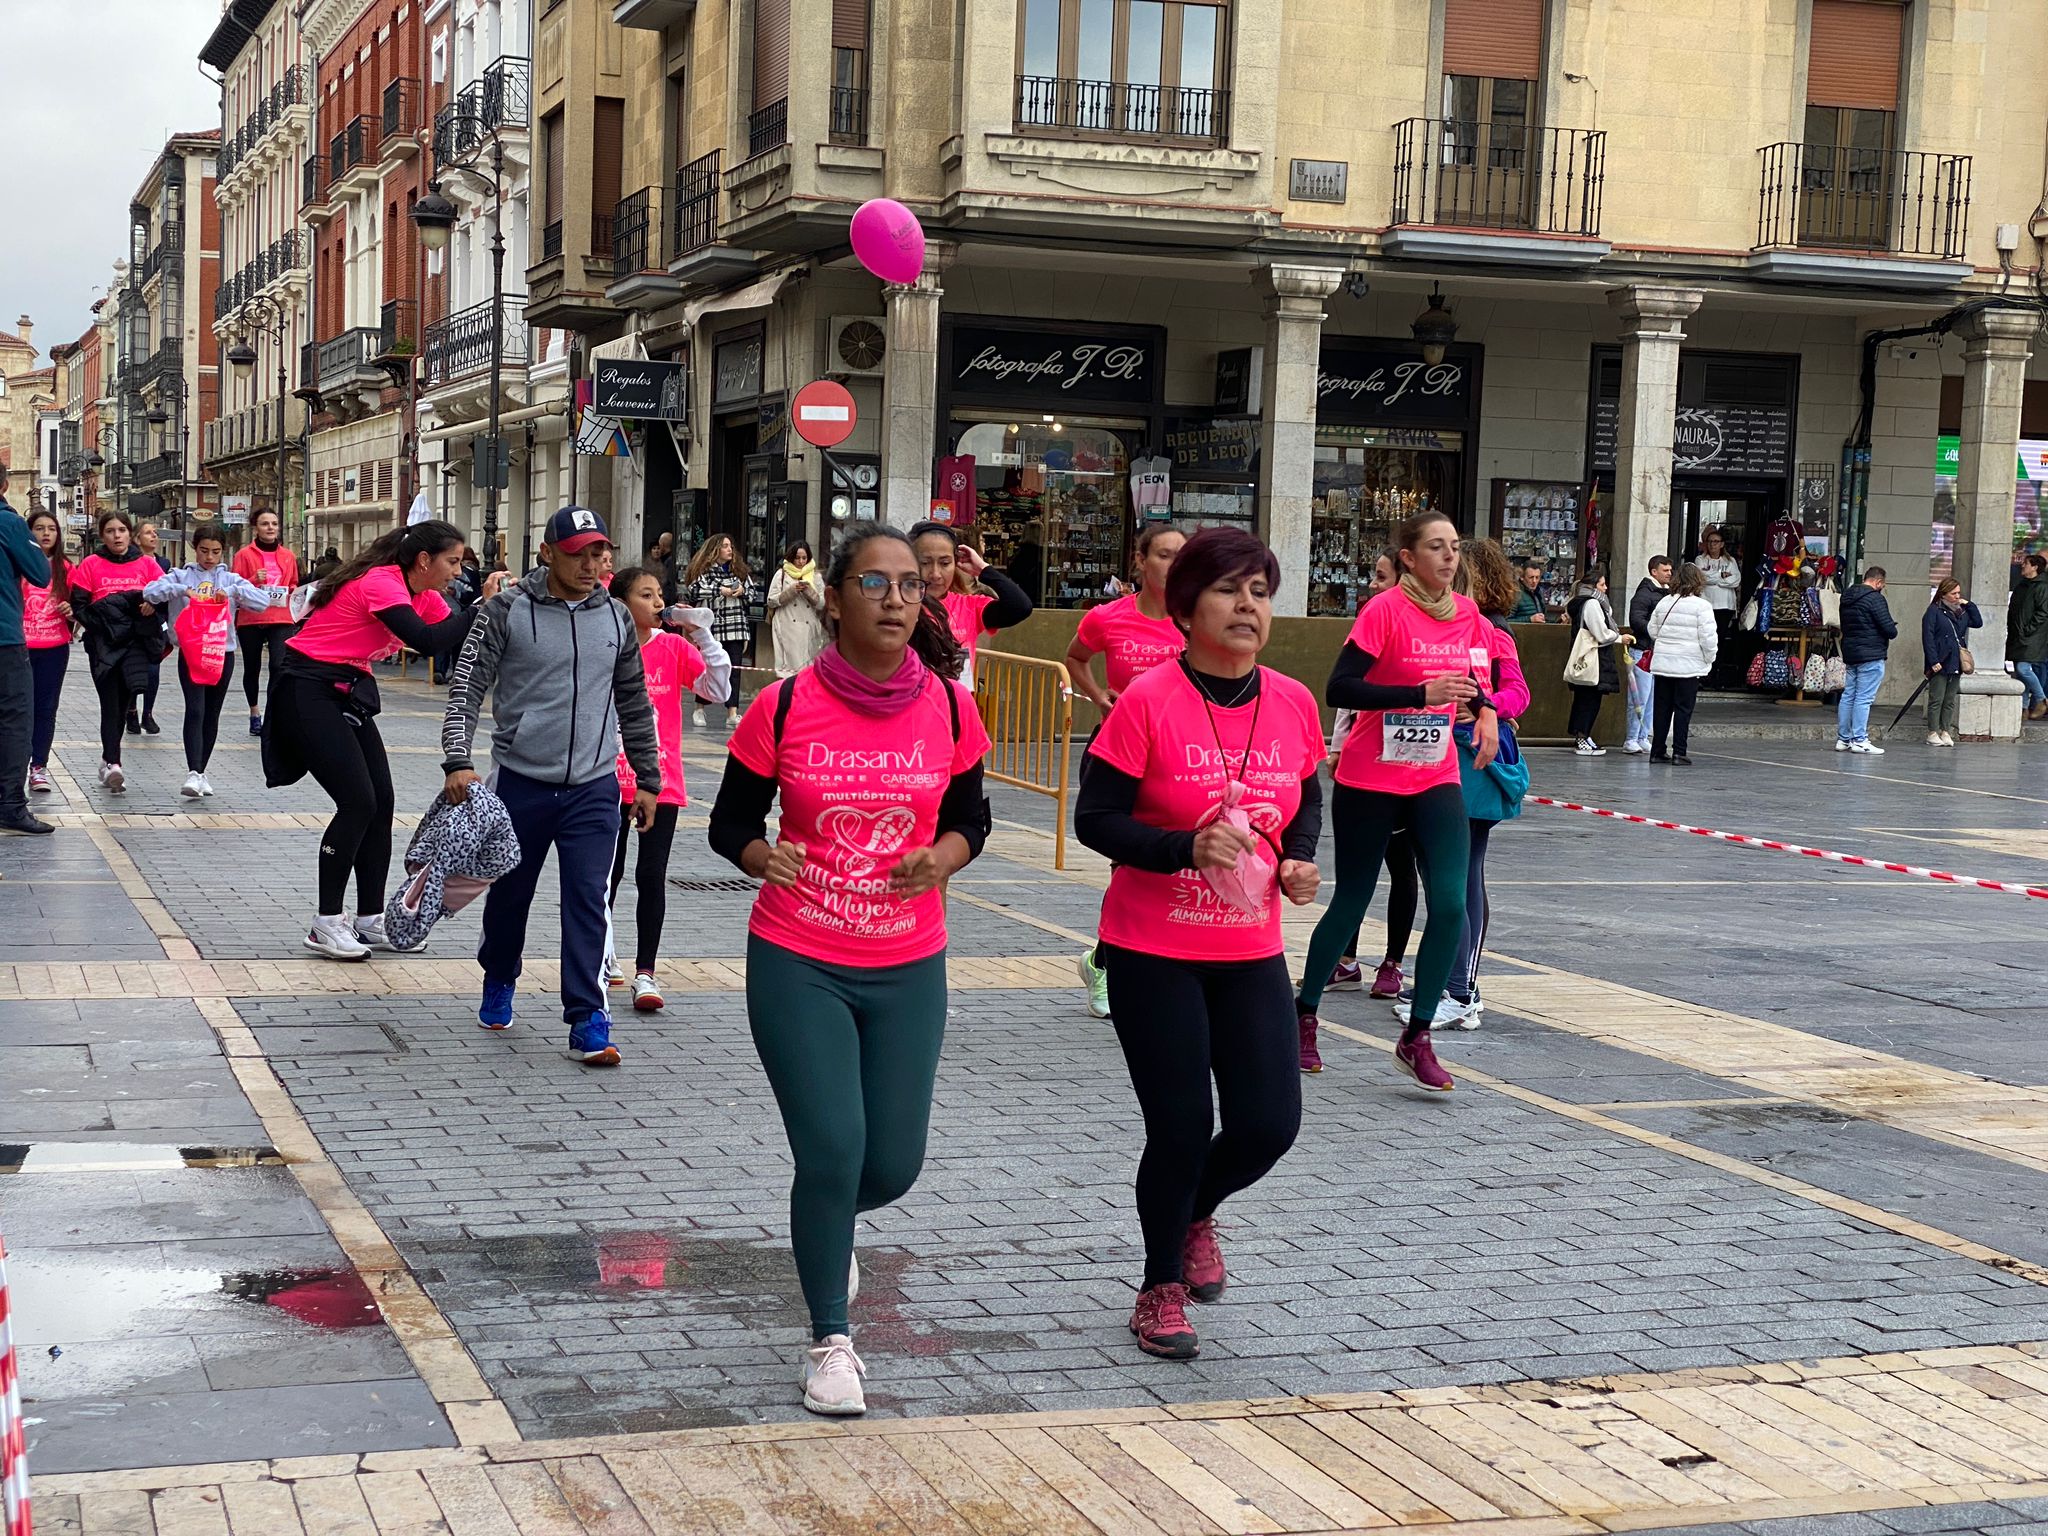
(637, 389)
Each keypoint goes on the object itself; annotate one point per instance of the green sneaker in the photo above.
(1096, 980)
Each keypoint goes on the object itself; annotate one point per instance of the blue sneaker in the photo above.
(496, 1012)
(591, 1041)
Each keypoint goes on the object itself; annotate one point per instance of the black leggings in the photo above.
(1585, 710)
(203, 703)
(650, 876)
(346, 758)
(1182, 1022)
(1672, 711)
(1403, 894)
(116, 699)
(1365, 821)
(256, 639)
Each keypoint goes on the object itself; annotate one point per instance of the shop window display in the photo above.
(1052, 505)
(1367, 482)
(1539, 521)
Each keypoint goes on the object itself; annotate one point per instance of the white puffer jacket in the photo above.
(1683, 639)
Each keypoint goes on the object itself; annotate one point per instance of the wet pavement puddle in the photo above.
(126, 1157)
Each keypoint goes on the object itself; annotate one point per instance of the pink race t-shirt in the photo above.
(348, 632)
(1129, 643)
(1408, 648)
(858, 792)
(1161, 734)
(964, 611)
(672, 664)
(274, 568)
(42, 627)
(95, 576)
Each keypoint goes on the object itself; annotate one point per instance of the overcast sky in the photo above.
(92, 90)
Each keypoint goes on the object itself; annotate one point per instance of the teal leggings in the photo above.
(1364, 820)
(851, 1055)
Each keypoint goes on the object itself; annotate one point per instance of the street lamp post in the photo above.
(434, 216)
(267, 318)
(160, 418)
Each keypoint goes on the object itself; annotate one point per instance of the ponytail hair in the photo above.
(399, 547)
(932, 636)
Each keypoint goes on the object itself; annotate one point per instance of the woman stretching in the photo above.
(124, 632)
(207, 581)
(46, 626)
(672, 663)
(322, 718)
(1413, 657)
(1132, 636)
(877, 758)
(1203, 794)
(951, 572)
(264, 562)
(718, 579)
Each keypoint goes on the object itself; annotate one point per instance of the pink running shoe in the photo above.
(1417, 1058)
(1387, 983)
(1160, 1321)
(1201, 1261)
(1311, 1058)
(1348, 977)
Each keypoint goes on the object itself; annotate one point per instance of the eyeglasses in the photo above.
(874, 586)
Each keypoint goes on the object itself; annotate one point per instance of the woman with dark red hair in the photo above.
(1202, 792)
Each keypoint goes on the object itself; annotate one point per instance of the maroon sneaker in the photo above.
(1160, 1321)
(1201, 1261)
(1311, 1058)
(1387, 983)
(1417, 1057)
(1348, 977)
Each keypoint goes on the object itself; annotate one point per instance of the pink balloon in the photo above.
(888, 240)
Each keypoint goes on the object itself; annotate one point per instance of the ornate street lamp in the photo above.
(1434, 329)
(265, 317)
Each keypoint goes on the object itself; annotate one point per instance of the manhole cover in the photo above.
(737, 884)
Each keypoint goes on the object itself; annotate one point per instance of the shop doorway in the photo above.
(1742, 515)
(733, 440)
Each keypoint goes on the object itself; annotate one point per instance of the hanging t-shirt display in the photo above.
(1151, 487)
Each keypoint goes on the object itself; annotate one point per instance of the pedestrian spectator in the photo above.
(2026, 633)
(1868, 630)
(1684, 642)
(1529, 595)
(264, 562)
(559, 657)
(143, 722)
(323, 713)
(24, 568)
(1724, 590)
(718, 579)
(1641, 690)
(661, 559)
(979, 599)
(796, 610)
(124, 632)
(1027, 570)
(47, 626)
(1589, 610)
(876, 756)
(207, 580)
(1204, 793)
(1945, 642)
(327, 564)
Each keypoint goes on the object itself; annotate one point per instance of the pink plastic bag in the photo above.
(1247, 885)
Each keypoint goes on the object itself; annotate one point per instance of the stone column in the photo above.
(1287, 418)
(910, 387)
(1996, 344)
(1636, 522)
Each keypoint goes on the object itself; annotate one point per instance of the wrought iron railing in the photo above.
(1906, 202)
(1481, 175)
(636, 233)
(551, 240)
(600, 251)
(768, 128)
(276, 105)
(351, 352)
(354, 147)
(504, 93)
(458, 131)
(314, 191)
(460, 346)
(401, 107)
(158, 469)
(170, 244)
(1113, 109)
(849, 123)
(399, 326)
(696, 205)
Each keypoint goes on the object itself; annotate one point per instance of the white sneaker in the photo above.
(205, 785)
(614, 973)
(1934, 738)
(1635, 748)
(832, 1373)
(112, 779)
(369, 930)
(335, 937)
(1947, 740)
(190, 788)
(1868, 748)
(646, 994)
(1450, 1013)
(697, 718)
(1841, 745)
(1587, 747)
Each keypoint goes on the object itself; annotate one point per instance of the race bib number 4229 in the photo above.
(1417, 738)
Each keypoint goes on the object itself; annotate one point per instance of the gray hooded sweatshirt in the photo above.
(566, 685)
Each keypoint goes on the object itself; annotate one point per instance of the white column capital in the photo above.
(938, 256)
(1298, 289)
(1651, 313)
(2006, 333)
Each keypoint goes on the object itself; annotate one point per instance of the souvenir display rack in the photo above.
(1540, 521)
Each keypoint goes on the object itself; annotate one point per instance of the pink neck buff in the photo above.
(861, 693)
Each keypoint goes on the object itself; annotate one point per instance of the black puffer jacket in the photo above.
(1868, 628)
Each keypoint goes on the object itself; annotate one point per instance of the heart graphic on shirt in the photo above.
(866, 836)
(1264, 817)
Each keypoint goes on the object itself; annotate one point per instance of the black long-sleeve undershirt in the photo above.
(422, 638)
(1104, 821)
(1012, 605)
(739, 816)
(1348, 689)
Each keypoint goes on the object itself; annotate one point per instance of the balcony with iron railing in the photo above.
(169, 247)
(349, 358)
(399, 327)
(458, 130)
(316, 189)
(637, 233)
(551, 240)
(695, 205)
(1112, 109)
(253, 429)
(162, 468)
(274, 110)
(459, 347)
(352, 154)
(600, 253)
(849, 119)
(1454, 179)
(768, 128)
(1864, 203)
(505, 93)
(399, 126)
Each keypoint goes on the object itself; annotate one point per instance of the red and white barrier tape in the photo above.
(13, 1433)
(2039, 892)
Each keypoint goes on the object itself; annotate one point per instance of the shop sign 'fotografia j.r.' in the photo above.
(636, 389)
(1364, 385)
(1051, 366)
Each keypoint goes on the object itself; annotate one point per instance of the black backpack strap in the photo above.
(953, 708)
(782, 703)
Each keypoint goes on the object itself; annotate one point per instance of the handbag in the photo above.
(1495, 792)
(1778, 669)
(1765, 603)
(1815, 678)
(1969, 661)
(1830, 606)
(1748, 617)
(1756, 670)
(1810, 608)
(204, 629)
(1582, 667)
(1835, 676)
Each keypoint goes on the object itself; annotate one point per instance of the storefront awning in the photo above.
(755, 295)
(468, 429)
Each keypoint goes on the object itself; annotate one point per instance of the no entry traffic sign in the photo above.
(823, 413)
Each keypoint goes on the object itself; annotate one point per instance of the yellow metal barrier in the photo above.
(1027, 708)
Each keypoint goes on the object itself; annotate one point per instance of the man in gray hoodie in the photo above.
(561, 658)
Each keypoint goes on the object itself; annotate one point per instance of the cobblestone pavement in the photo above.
(1728, 1109)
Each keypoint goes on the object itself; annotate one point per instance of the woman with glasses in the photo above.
(876, 754)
